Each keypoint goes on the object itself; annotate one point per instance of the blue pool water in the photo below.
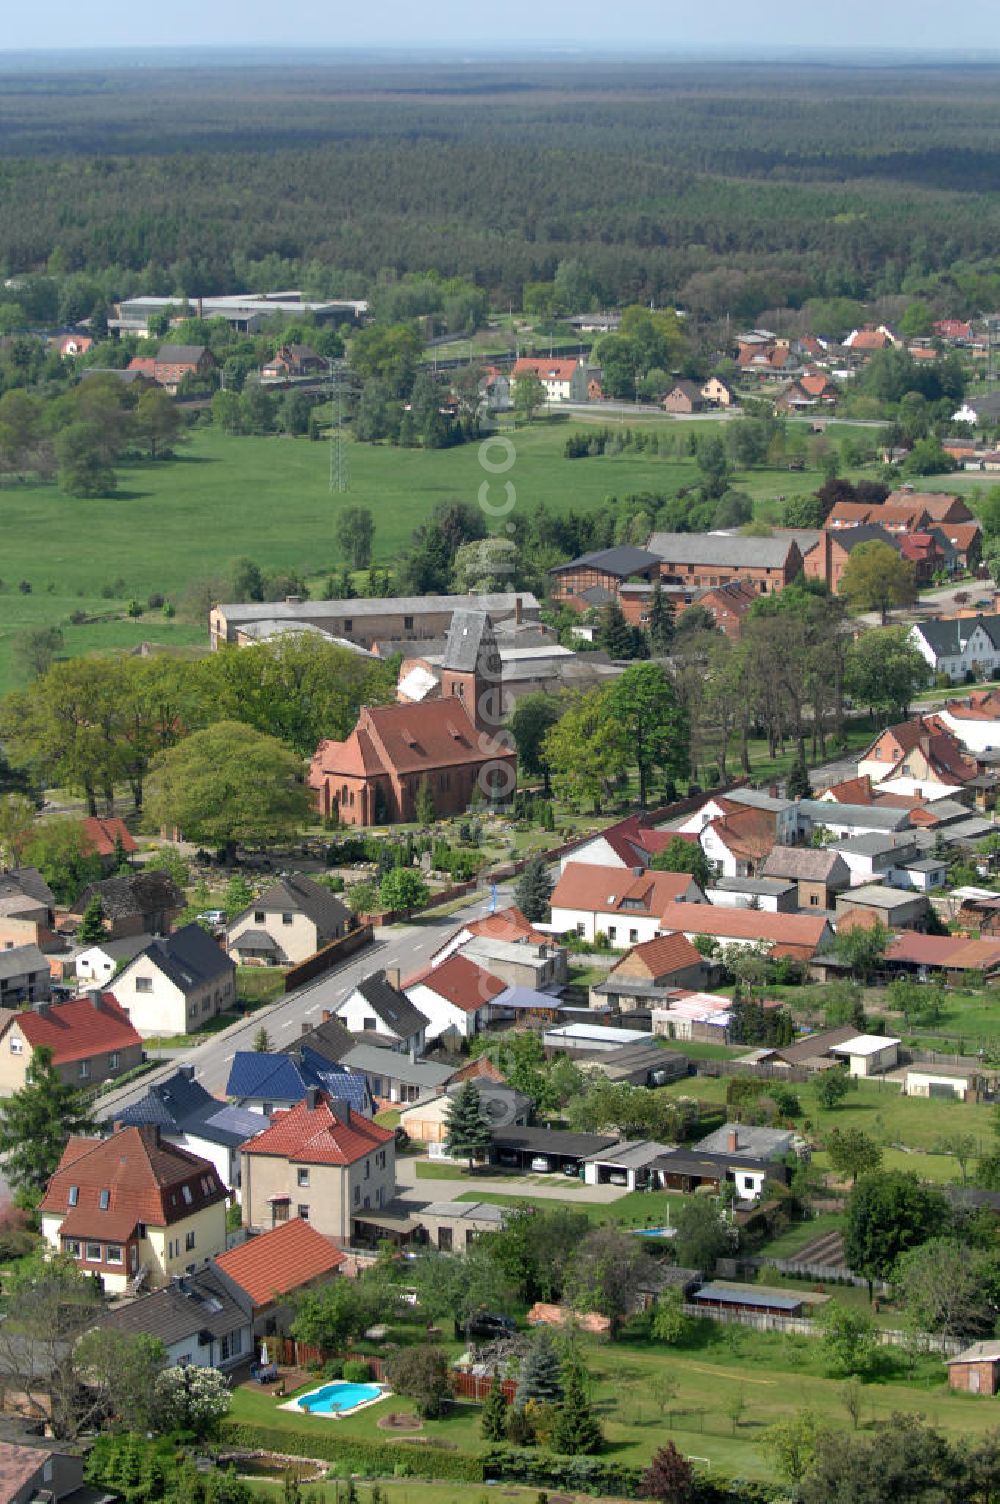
(339, 1397)
(654, 1232)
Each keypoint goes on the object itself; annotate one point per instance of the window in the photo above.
(369, 1025)
(16, 1045)
(287, 918)
(186, 1193)
(368, 1169)
(407, 623)
(258, 916)
(748, 1182)
(72, 1247)
(93, 1253)
(444, 1239)
(144, 984)
(114, 1060)
(104, 1200)
(140, 1230)
(612, 931)
(279, 1211)
(74, 1195)
(814, 900)
(357, 1195)
(83, 1069)
(189, 1241)
(633, 936)
(302, 1177)
(114, 1255)
(580, 929)
(303, 1211)
(348, 624)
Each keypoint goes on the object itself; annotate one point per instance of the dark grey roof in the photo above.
(179, 355)
(987, 406)
(21, 960)
(301, 895)
(947, 638)
(200, 1302)
(124, 949)
(376, 1060)
(735, 550)
(816, 1044)
(879, 896)
(876, 817)
(136, 894)
(254, 940)
(621, 561)
(850, 538)
(470, 637)
(708, 1166)
(189, 957)
(754, 1299)
(391, 1006)
(29, 881)
(878, 843)
(761, 887)
(553, 1141)
(126, 377)
(329, 1039)
(755, 1143)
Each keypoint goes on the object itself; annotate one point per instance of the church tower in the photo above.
(471, 670)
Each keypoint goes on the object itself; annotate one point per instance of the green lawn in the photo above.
(636, 1209)
(174, 522)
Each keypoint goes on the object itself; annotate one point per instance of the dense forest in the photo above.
(726, 188)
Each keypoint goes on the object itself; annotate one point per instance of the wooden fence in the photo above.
(762, 1071)
(838, 1274)
(766, 1321)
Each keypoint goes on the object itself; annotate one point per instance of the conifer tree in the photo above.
(577, 1430)
(797, 785)
(541, 1373)
(614, 634)
(92, 929)
(469, 1133)
(493, 1424)
(533, 890)
(661, 620)
(36, 1121)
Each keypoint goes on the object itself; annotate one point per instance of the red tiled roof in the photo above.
(314, 1135)
(604, 890)
(100, 836)
(284, 1259)
(939, 505)
(946, 951)
(144, 363)
(507, 924)
(18, 1465)
(404, 739)
(952, 329)
(460, 982)
(850, 512)
(746, 831)
(78, 1029)
(804, 930)
(869, 339)
(143, 1176)
(664, 954)
(480, 1068)
(852, 790)
(551, 370)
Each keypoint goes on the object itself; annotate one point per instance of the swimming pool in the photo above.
(337, 1398)
(655, 1232)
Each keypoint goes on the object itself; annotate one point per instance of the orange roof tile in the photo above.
(745, 924)
(78, 1029)
(663, 954)
(551, 370)
(851, 790)
(284, 1259)
(609, 890)
(314, 1134)
(100, 836)
(460, 982)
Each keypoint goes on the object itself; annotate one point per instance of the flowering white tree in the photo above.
(190, 1398)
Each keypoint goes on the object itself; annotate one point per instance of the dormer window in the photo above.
(74, 1195)
(186, 1193)
(104, 1200)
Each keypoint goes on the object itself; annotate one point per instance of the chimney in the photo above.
(187, 1071)
(392, 976)
(773, 791)
(733, 1141)
(305, 1027)
(325, 1016)
(518, 610)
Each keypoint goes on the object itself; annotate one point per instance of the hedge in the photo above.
(595, 1475)
(373, 1459)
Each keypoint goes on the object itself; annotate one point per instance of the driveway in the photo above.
(542, 1188)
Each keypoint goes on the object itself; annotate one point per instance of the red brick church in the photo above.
(452, 743)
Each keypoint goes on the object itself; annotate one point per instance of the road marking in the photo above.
(290, 1024)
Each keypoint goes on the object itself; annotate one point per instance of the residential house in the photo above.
(320, 1162)
(974, 722)
(796, 935)
(819, 872)
(623, 905)
(693, 1015)
(270, 1267)
(930, 765)
(883, 857)
(629, 844)
(628, 1163)
(378, 1008)
(263, 1083)
(729, 605)
(683, 398)
(24, 976)
(453, 1226)
(813, 1053)
(895, 909)
(788, 824)
(291, 920)
(174, 362)
(91, 1040)
(939, 506)
(177, 983)
(291, 362)
(710, 559)
(393, 1077)
(648, 971)
(203, 1320)
(717, 392)
(607, 569)
(747, 1157)
(870, 338)
(965, 648)
(563, 380)
(72, 344)
(40, 1472)
(449, 745)
(810, 390)
(99, 963)
(739, 842)
(540, 967)
(190, 1117)
(328, 1038)
(132, 1203)
(427, 1121)
(109, 838)
(141, 903)
(507, 924)
(27, 910)
(456, 997)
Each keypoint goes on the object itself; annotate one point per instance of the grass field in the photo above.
(224, 497)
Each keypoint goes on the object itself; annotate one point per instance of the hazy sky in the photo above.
(645, 25)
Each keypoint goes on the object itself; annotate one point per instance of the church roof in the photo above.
(469, 636)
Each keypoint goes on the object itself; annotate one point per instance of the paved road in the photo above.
(406, 946)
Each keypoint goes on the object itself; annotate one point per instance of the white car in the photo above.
(541, 1165)
(213, 916)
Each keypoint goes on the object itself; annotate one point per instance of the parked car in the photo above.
(489, 1324)
(541, 1165)
(213, 916)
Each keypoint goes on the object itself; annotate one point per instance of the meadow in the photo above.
(176, 522)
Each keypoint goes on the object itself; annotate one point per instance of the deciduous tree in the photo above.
(877, 578)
